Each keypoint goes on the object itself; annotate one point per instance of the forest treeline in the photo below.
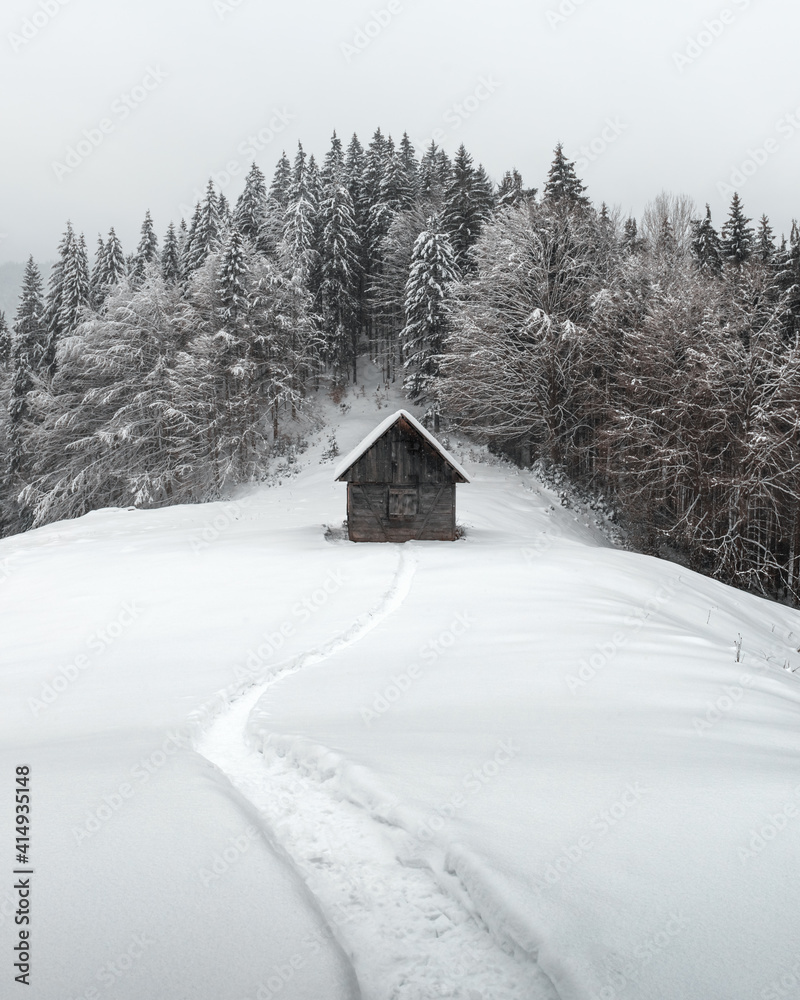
(654, 360)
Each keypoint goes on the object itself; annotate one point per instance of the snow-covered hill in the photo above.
(266, 761)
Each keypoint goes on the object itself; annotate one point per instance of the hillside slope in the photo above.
(524, 764)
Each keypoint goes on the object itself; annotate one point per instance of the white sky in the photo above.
(231, 66)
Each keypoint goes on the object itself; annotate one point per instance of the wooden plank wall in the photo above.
(368, 514)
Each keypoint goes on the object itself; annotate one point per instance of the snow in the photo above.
(381, 429)
(525, 764)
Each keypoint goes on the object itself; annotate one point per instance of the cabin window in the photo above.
(403, 502)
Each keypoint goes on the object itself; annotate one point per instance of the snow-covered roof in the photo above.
(381, 429)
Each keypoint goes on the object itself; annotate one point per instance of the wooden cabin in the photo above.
(401, 485)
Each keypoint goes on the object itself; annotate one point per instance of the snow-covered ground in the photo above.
(267, 761)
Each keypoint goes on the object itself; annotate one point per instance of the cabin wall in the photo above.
(369, 521)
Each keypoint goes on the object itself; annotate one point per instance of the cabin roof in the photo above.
(347, 463)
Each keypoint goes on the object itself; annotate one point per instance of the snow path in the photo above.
(412, 933)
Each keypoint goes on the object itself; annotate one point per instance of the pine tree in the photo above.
(737, 236)
(147, 251)
(301, 223)
(443, 167)
(706, 245)
(187, 250)
(630, 235)
(340, 274)
(54, 293)
(232, 278)
(788, 278)
(332, 172)
(313, 181)
(183, 236)
(96, 293)
(110, 267)
(205, 231)
(298, 187)
(392, 194)
(354, 166)
(224, 213)
(409, 171)
(374, 167)
(74, 289)
(563, 188)
(435, 171)
(281, 181)
(509, 190)
(433, 269)
(171, 257)
(466, 207)
(5, 342)
(765, 241)
(30, 326)
(251, 206)
(29, 358)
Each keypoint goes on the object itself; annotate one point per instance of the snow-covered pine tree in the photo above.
(788, 279)
(270, 235)
(97, 277)
(765, 248)
(74, 289)
(232, 275)
(433, 269)
(183, 236)
(432, 183)
(225, 214)
(354, 172)
(354, 167)
(116, 268)
(54, 292)
(630, 236)
(340, 273)
(5, 342)
(333, 165)
(281, 181)
(510, 190)
(30, 324)
(485, 191)
(392, 190)
(29, 358)
(171, 257)
(409, 171)
(299, 242)
(374, 165)
(435, 172)
(387, 289)
(251, 205)
(737, 235)
(205, 231)
(110, 268)
(706, 245)
(467, 205)
(147, 250)
(563, 188)
(187, 247)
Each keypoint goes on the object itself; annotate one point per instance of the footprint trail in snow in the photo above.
(410, 935)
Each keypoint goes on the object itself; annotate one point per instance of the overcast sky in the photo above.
(154, 96)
